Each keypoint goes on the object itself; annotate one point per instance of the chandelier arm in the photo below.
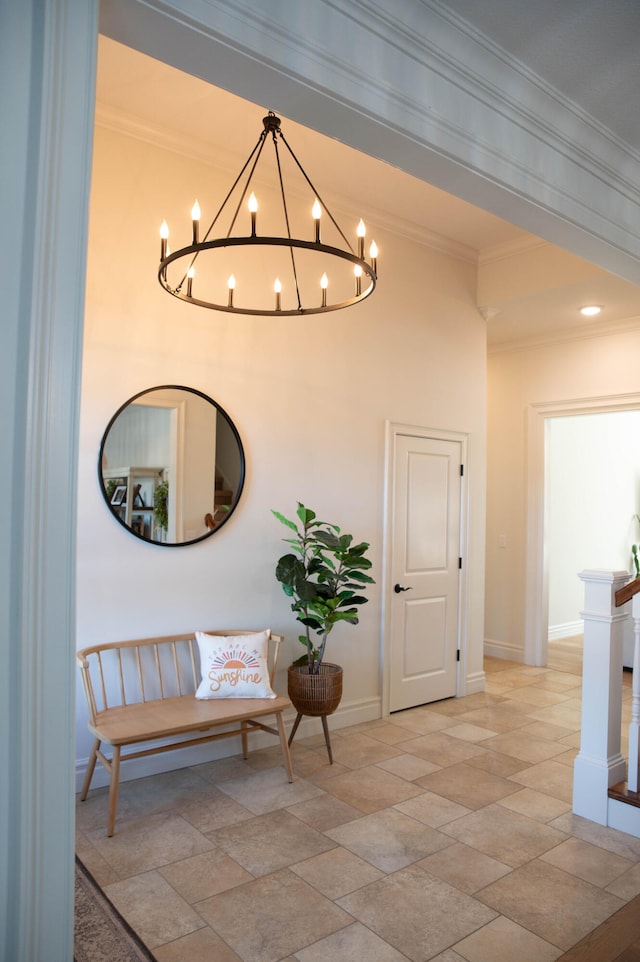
(316, 192)
(286, 218)
(260, 145)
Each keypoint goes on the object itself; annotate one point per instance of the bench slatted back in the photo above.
(146, 669)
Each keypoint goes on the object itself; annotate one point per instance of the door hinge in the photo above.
(460, 563)
(462, 470)
(458, 655)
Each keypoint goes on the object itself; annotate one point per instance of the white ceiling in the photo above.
(157, 101)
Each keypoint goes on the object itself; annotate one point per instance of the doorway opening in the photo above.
(583, 492)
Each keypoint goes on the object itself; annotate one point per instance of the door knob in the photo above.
(399, 588)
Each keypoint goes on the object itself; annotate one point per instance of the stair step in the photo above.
(222, 497)
(622, 793)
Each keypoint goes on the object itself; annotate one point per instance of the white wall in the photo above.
(593, 493)
(598, 371)
(309, 397)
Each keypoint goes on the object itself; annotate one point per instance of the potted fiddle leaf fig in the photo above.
(324, 574)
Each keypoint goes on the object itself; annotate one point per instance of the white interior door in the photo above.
(425, 570)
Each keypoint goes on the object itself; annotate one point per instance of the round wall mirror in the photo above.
(171, 465)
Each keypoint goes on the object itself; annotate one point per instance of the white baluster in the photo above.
(634, 727)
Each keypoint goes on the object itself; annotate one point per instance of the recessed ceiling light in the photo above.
(590, 310)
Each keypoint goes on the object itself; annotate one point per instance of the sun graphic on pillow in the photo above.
(235, 658)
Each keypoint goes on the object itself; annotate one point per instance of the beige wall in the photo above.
(594, 372)
(309, 397)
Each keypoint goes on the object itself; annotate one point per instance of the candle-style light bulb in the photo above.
(357, 270)
(191, 273)
(164, 233)
(231, 284)
(324, 283)
(195, 221)
(373, 256)
(361, 231)
(316, 213)
(253, 208)
(277, 286)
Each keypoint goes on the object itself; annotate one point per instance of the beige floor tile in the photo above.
(441, 749)
(153, 909)
(408, 766)
(535, 804)
(550, 778)
(323, 812)
(421, 722)
(504, 941)
(389, 840)
(416, 913)
(268, 790)
(536, 696)
(432, 809)
(568, 714)
(498, 764)
(270, 842)
(272, 917)
(389, 734)
(468, 786)
(524, 746)
(554, 733)
(351, 944)
(464, 867)
(200, 946)
(470, 733)
(627, 885)
(202, 876)
(370, 789)
(148, 843)
(215, 812)
(608, 838)
(554, 905)
(359, 751)
(506, 836)
(337, 872)
(588, 862)
(499, 718)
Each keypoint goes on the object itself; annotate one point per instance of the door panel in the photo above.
(425, 562)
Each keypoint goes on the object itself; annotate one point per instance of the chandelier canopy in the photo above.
(253, 263)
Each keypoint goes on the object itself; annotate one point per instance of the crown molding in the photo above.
(416, 87)
(587, 333)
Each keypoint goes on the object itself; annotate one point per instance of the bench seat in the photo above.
(141, 697)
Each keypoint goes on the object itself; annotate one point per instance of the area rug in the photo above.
(101, 934)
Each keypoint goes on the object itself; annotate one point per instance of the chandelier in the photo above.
(249, 260)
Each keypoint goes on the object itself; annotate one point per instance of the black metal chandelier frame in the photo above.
(184, 289)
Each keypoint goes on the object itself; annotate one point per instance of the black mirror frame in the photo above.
(234, 430)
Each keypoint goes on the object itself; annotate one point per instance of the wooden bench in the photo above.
(142, 690)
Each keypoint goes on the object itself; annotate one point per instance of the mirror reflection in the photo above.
(171, 465)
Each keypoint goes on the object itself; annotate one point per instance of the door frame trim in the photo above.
(394, 429)
(536, 563)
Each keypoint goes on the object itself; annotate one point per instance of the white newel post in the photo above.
(599, 763)
(634, 727)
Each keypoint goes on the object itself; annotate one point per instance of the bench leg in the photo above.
(113, 790)
(91, 765)
(285, 745)
(244, 728)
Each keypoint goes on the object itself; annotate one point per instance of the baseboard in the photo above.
(349, 713)
(568, 630)
(476, 682)
(500, 649)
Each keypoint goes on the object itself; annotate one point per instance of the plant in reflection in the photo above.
(160, 498)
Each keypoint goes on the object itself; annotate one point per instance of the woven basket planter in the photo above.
(317, 695)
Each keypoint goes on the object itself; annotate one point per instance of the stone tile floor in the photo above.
(444, 832)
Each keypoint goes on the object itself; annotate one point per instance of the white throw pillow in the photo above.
(234, 666)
